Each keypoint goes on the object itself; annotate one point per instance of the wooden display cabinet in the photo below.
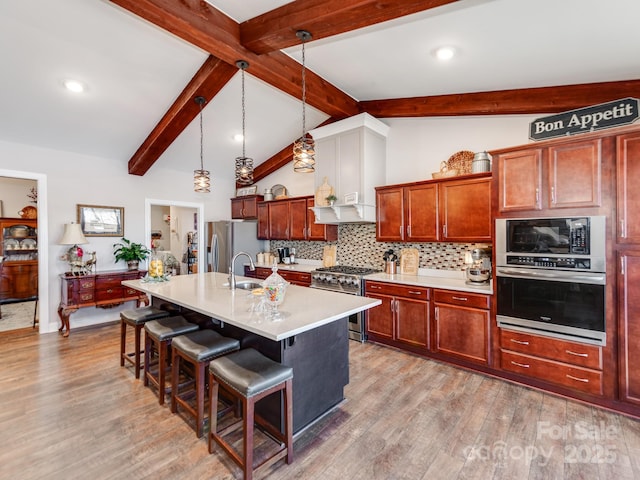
(19, 249)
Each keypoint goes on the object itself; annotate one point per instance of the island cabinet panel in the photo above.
(403, 317)
(628, 324)
(566, 174)
(460, 328)
(628, 197)
(564, 363)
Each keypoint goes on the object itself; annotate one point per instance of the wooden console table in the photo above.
(104, 290)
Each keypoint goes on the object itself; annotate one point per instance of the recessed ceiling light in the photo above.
(74, 86)
(445, 53)
(238, 137)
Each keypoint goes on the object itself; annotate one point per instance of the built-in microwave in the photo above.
(551, 277)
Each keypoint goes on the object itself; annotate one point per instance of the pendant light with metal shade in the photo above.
(244, 165)
(201, 178)
(304, 155)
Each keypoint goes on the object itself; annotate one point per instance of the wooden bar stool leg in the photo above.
(288, 425)
(200, 388)
(175, 376)
(213, 410)
(123, 341)
(162, 370)
(138, 329)
(248, 406)
(147, 358)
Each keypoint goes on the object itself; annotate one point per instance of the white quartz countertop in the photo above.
(432, 281)
(303, 308)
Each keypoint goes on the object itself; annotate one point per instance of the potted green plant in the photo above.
(132, 253)
(331, 199)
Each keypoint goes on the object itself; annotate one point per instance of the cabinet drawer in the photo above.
(589, 356)
(577, 378)
(420, 293)
(85, 296)
(108, 281)
(464, 299)
(298, 278)
(112, 293)
(131, 292)
(86, 284)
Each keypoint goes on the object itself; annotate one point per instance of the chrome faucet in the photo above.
(232, 269)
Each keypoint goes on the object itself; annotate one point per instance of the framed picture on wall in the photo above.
(101, 221)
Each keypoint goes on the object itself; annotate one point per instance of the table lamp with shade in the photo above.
(73, 236)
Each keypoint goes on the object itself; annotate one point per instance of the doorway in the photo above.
(42, 292)
(176, 228)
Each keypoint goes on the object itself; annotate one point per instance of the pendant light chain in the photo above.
(244, 165)
(201, 178)
(304, 148)
(201, 136)
(304, 92)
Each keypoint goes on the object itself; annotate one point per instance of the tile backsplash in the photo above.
(357, 246)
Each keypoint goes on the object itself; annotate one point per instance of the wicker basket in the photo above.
(445, 171)
(461, 161)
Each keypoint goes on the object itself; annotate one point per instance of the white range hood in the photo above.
(351, 154)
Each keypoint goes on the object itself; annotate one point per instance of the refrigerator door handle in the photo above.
(215, 254)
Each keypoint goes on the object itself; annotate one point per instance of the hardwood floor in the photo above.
(69, 411)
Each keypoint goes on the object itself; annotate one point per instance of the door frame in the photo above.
(43, 243)
(199, 207)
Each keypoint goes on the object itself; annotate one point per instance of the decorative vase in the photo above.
(133, 264)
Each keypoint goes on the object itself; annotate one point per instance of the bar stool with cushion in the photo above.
(157, 341)
(251, 376)
(136, 318)
(196, 349)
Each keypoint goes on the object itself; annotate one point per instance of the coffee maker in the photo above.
(282, 254)
(479, 270)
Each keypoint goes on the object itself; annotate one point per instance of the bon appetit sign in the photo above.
(606, 115)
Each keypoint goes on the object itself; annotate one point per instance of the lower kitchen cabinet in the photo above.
(403, 317)
(302, 279)
(461, 325)
(567, 364)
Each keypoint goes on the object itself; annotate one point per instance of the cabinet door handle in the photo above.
(584, 380)
(409, 230)
(623, 232)
(437, 313)
(553, 195)
(585, 355)
(523, 365)
(462, 299)
(401, 230)
(537, 196)
(622, 266)
(519, 342)
(444, 229)
(414, 292)
(374, 287)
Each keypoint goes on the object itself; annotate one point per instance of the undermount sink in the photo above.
(246, 285)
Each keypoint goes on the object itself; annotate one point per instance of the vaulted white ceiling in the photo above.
(134, 70)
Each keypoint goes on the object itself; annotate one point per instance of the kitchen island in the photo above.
(311, 337)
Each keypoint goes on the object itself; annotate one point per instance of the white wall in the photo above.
(416, 146)
(73, 179)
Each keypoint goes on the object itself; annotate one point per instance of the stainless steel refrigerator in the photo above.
(225, 238)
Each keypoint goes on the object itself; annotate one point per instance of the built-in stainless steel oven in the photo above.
(551, 276)
(344, 279)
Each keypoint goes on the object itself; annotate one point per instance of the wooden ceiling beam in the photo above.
(207, 82)
(504, 102)
(276, 29)
(209, 29)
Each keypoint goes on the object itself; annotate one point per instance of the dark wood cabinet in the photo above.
(565, 175)
(245, 207)
(291, 219)
(294, 277)
(19, 249)
(628, 195)
(456, 210)
(465, 210)
(403, 317)
(628, 325)
(461, 326)
(104, 290)
(572, 365)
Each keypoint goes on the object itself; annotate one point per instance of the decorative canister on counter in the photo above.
(481, 162)
(268, 194)
(156, 266)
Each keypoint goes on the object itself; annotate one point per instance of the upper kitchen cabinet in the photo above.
(628, 195)
(292, 219)
(245, 208)
(351, 154)
(567, 174)
(465, 210)
(407, 213)
(451, 210)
